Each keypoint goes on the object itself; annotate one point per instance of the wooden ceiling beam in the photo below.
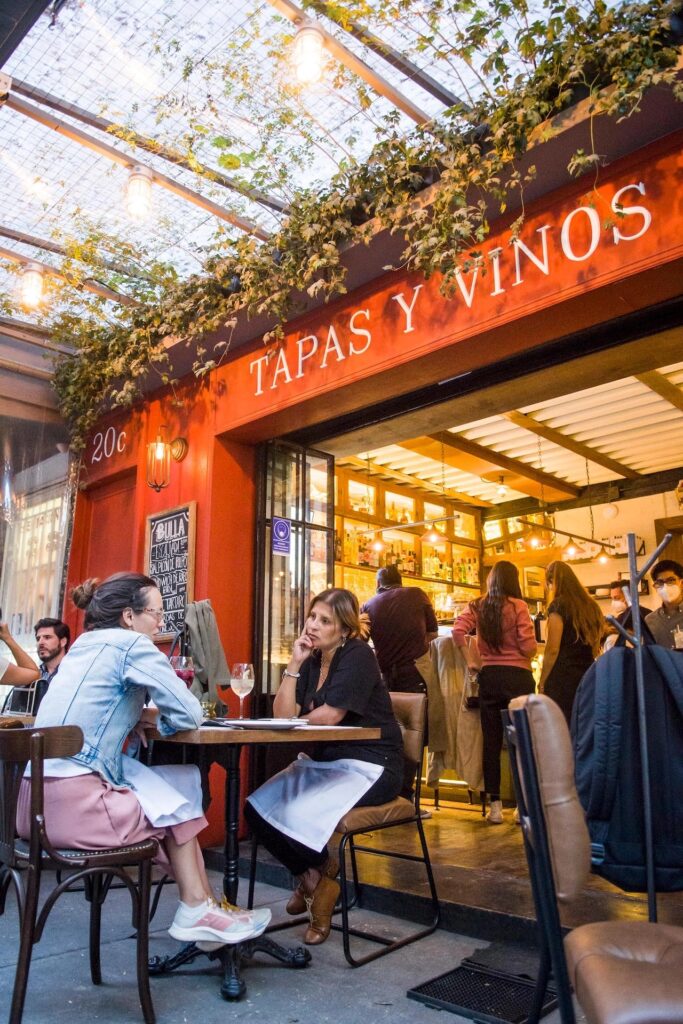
(116, 156)
(376, 82)
(521, 419)
(470, 457)
(377, 469)
(662, 386)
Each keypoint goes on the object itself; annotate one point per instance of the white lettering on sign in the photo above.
(565, 237)
(407, 309)
(567, 240)
(105, 444)
(542, 262)
(630, 211)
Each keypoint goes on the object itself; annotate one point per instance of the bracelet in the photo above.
(293, 675)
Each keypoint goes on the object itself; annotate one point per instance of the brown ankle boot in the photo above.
(297, 901)
(320, 906)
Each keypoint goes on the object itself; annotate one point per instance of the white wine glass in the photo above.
(242, 681)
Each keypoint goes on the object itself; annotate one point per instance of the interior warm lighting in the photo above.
(139, 193)
(159, 455)
(31, 286)
(309, 44)
(610, 511)
(431, 535)
(502, 489)
(603, 557)
(572, 551)
(378, 544)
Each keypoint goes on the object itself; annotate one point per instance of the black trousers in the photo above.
(498, 684)
(296, 857)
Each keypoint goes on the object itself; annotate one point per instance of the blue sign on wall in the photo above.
(282, 534)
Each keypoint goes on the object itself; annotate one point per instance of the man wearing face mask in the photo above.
(620, 608)
(666, 623)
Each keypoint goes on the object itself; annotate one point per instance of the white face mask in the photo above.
(618, 607)
(670, 593)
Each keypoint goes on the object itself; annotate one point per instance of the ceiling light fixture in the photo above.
(308, 56)
(431, 534)
(139, 193)
(572, 551)
(31, 287)
(502, 489)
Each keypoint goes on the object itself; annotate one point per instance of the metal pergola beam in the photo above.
(59, 250)
(21, 106)
(391, 56)
(89, 285)
(149, 145)
(353, 63)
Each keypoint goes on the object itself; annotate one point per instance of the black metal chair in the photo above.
(621, 971)
(23, 862)
(410, 710)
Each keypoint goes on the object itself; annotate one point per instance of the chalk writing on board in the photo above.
(170, 542)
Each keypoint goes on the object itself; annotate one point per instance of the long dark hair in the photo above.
(104, 602)
(501, 584)
(576, 606)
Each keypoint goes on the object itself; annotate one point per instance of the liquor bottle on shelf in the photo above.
(337, 547)
(540, 624)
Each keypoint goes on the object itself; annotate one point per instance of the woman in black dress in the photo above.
(575, 629)
(332, 679)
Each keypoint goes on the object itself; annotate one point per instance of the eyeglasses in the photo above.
(668, 582)
(157, 612)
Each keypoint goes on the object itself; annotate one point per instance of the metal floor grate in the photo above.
(481, 995)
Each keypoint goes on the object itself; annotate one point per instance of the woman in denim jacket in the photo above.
(100, 797)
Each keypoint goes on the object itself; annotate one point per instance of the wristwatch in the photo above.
(294, 675)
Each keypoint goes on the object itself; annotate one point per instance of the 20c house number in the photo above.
(105, 444)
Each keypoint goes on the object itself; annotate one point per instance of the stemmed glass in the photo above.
(183, 666)
(242, 681)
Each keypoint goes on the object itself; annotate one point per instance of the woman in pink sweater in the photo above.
(506, 641)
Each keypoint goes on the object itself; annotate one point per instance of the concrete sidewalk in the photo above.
(60, 991)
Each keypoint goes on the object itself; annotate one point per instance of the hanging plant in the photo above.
(521, 71)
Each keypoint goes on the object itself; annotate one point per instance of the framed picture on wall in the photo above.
(533, 582)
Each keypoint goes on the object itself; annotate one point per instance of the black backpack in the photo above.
(608, 769)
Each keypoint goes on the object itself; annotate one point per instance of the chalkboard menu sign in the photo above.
(169, 559)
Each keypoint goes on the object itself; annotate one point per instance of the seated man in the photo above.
(52, 639)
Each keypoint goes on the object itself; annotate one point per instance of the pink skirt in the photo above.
(83, 812)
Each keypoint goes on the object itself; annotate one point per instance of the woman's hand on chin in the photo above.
(303, 646)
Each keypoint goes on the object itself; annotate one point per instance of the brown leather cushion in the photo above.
(568, 837)
(369, 817)
(627, 972)
(409, 711)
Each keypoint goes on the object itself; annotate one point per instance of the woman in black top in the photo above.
(332, 679)
(575, 629)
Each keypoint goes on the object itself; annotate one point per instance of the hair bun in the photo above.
(82, 595)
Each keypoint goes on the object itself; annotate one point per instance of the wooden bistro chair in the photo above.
(410, 710)
(622, 972)
(23, 862)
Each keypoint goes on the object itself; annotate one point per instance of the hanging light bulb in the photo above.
(602, 556)
(7, 503)
(378, 543)
(501, 490)
(572, 551)
(309, 43)
(431, 535)
(139, 193)
(31, 285)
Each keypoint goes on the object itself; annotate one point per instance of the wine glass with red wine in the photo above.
(183, 666)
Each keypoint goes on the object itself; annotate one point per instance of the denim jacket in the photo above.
(101, 687)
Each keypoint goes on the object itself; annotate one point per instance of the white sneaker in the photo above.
(209, 922)
(495, 815)
(261, 921)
